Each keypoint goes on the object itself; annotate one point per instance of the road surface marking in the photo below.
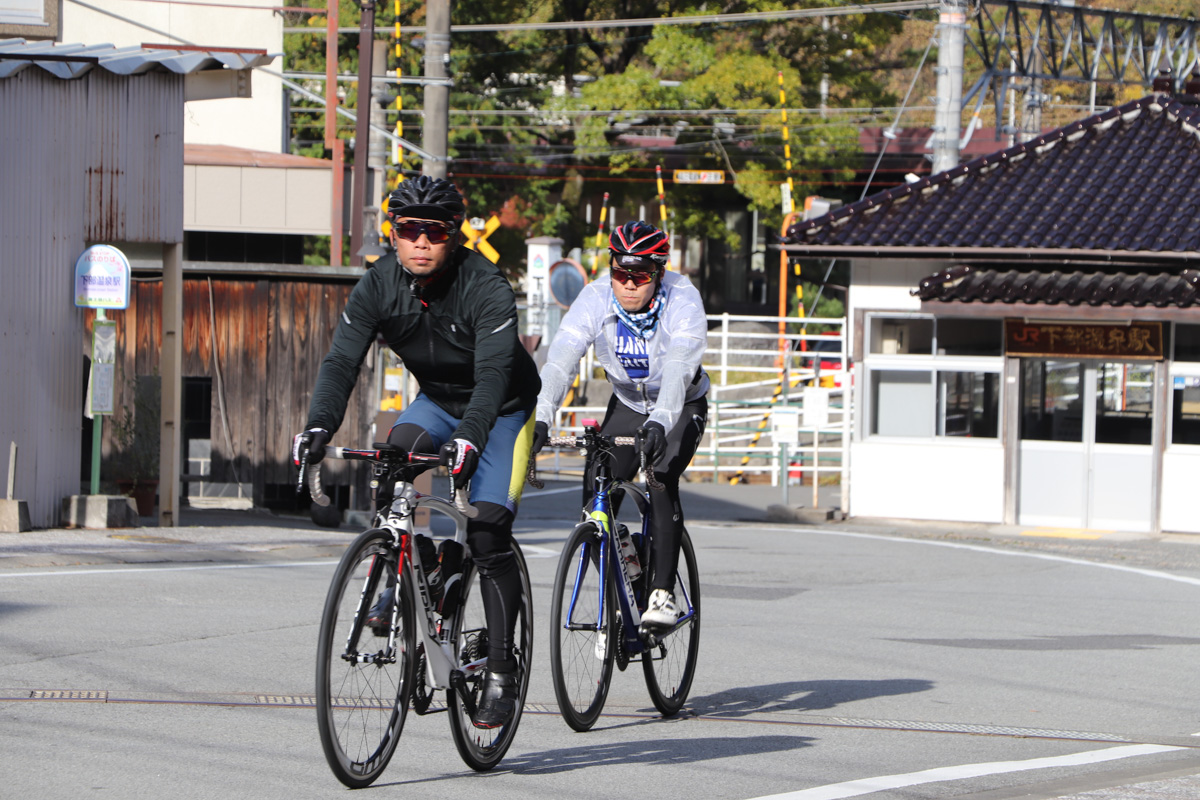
(126, 570)
(540, 492)
(1150, 573)
(856, 788)
(1065, 533)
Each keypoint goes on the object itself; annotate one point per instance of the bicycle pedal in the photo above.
(650, 633)
(458, 682)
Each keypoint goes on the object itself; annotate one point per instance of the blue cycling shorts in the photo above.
(503, 463)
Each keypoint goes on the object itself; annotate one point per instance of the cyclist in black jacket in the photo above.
(451, 315)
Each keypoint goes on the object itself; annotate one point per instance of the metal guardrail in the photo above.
(769, 416)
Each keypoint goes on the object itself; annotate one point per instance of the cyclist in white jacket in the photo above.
(650, 331)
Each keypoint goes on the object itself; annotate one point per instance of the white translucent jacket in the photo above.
(675, 352)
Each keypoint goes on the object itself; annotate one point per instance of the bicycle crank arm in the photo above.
(458, 681)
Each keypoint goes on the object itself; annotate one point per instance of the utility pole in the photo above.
(1031, 115)
(436, 130)
(362, 128)
(377, 163)
(952, 25)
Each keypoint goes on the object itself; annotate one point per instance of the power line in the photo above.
(661, 112)
(692, 19)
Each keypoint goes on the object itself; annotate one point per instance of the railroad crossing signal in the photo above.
(477, 231)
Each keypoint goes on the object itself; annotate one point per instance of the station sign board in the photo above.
(1136, 340)
(102, 278)
(710, 177)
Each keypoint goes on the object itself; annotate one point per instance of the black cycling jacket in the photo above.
(458, 336)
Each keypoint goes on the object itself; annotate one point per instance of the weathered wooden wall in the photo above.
(270, 335)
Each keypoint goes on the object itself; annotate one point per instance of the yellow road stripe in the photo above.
(1065, 533)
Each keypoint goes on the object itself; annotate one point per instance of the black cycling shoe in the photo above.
(497, 699)
(379, 618)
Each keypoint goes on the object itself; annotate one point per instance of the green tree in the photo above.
(542, 119)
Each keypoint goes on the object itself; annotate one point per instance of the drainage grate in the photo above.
(65, 694)
(286, 699)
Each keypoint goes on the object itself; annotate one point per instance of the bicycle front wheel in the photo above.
(482, 748)
(365, 675)
(670, 664)
(583, 631)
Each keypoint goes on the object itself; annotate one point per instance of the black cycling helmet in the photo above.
(424, 197)
(639, 245)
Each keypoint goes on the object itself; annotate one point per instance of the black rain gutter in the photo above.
(988, 253)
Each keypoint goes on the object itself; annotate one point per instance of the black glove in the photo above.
(541, 432)
(652, 441)
(314, 440)
(462, 458)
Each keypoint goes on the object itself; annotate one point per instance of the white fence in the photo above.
(779, 407)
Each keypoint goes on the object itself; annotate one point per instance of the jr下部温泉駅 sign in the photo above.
(711, 176)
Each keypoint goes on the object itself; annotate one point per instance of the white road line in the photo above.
(863, 786)
(143, 570)
(530, 551)
(533, 551)
(540, 492)
(1150, 573)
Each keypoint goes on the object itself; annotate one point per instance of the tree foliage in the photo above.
(543, 122)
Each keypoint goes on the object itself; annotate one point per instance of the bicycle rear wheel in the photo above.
(670, 664)
(363, 681)
(482, 748)
(583, 632)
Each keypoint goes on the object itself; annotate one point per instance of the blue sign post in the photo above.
(102, 280)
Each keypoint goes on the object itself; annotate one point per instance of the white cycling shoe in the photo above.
(662, 611)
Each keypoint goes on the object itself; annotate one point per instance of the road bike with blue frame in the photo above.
(419, 641)
(599, 596)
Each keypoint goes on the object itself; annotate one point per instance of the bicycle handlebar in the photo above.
(582, 441)
(320, 498)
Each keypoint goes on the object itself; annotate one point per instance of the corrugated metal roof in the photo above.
(965, 284)
(223, 155)
(1121, 182)
(68, 61)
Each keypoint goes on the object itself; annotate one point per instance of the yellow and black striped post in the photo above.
(600, 235)
(762, 426)
(662, 202)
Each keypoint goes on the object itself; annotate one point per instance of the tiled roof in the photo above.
(967, 284)
(68, 61)
(1122, 182)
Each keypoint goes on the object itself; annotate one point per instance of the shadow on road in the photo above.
(800, 696)
(661, 751)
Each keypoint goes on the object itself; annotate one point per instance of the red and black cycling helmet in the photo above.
(638, 245)
(424, 197)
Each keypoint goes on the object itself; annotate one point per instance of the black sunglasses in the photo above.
(638, 277)
(411, 230)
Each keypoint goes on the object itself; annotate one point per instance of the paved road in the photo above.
(870, 658)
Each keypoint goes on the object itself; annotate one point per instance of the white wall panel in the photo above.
(952, 480)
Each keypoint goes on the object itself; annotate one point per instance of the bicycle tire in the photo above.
(362, 704)
(670, 665)
(483, 748)
(581, 666)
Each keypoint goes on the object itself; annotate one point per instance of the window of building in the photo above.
(1052, 400)
(903, 403)
(1185, 410)
(932, 378)
(892, 336)
(1187, 342)
(970, 337)
(968, 404)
